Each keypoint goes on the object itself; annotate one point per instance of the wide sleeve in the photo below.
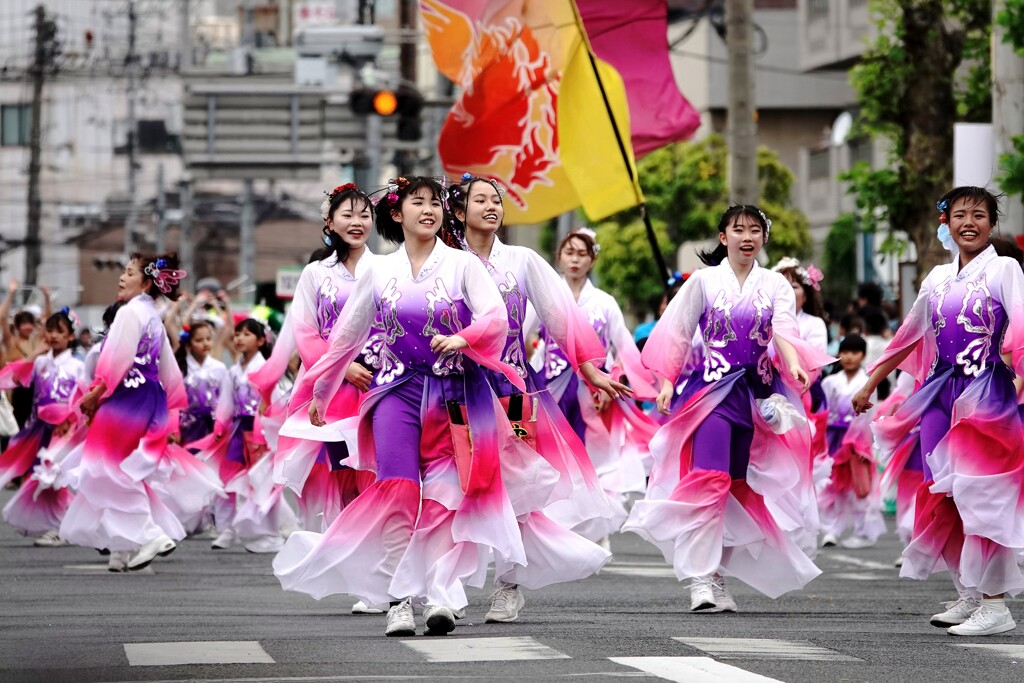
(554, 306)
(266, 377)
(817, 334)
(627, 355)
(915, 332)
(323, 380)
(784, 326)
(17, 373)
(669, 346)
(487, 333)
(119, 348)
(1011, 295)
(225, 403)
(170, 378)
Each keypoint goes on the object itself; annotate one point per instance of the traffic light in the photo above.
(404, 102)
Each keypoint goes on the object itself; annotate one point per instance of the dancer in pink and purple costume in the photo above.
(433, 318)
(137, 384)
(964, 339)
(553, 552)
(740, 440)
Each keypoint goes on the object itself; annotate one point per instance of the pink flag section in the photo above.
(633, 37)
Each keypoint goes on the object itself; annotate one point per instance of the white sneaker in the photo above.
(987, 620)
(362, 608)
(829, 540)
(162, 546)
(702, 593)
(266, 544)
(857, 542)
(898, 562)
(957, 612)
(118, 562)
(506, 601)
(459, 613)
(724, 602)
(440, 621)
(400, 620)
(51, 539)
(225, 540)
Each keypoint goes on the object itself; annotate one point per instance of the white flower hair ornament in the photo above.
(591, 234)
(810, 276)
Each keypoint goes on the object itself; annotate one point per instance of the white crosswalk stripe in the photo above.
(1015, 652)
(206, 652)
(692, 670)
(482, 649)
(765, 648)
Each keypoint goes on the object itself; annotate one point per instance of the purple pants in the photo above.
(936, 420)
(722, 442)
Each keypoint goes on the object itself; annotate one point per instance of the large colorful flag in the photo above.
(542, 83)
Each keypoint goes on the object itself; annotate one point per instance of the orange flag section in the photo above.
(531, 114)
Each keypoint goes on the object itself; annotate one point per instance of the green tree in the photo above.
(840, 252)
(928, 66)
(1012, 180)
(687, 191)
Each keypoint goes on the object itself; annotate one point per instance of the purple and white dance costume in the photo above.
(617, 440)
(719, 465)
(202, 387)
(111, 509)
(554, 554)
(253, 507)
(969, 514)
(39, 506)
(852, 497)
(383, 546)
(312, 460)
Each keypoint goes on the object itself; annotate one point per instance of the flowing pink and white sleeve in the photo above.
(295, 325)
(487, 333)
(915, 332)
(323, 380)
(668, 348)
(784, 326)
(1011, 295)
(225, 412)
(553, 304)
(627, 355)
(119, 348)
(170, 378)
(17, 373)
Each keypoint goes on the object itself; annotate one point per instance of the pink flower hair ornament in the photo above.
(163, 277)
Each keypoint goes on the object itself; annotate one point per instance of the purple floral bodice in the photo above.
(968, 321)
(147, 356)
(53, 384)
(245, 396)
(736, 334)
(512, 294)
(202, 390)
(330, 299)
(404, 325)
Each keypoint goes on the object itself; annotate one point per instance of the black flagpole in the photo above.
(651, 237)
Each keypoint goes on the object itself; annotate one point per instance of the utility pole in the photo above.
(161, 211)
(184, 35)
(45, 30)
(1007, 110)
(739, 20)
(247, 247)
(407, 66)
(185, 251)
(132, 125)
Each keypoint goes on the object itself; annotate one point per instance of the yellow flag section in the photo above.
(593, 127)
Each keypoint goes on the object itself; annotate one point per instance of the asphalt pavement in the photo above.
(222, 616)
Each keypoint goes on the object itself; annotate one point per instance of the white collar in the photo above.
(436, 254)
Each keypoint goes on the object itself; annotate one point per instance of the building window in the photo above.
(861, 150)
(820, 164)
(817, 9)
(15, 124)
(153, 138)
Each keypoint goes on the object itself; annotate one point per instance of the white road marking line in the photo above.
(765, 648)
(653, 571)
(209, 652)
(856, 576)
(859, 562)
(692, 670)
(101, 568)
(1003, 650)
(482, 649)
